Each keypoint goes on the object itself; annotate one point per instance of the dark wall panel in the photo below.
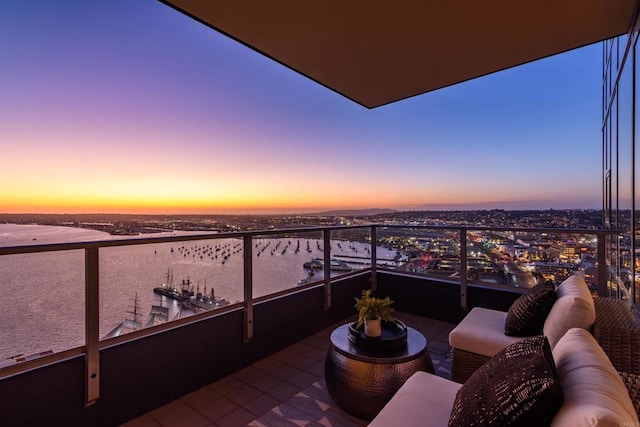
(45, 397)
(496, 299)
(439, 300)
(144, 374)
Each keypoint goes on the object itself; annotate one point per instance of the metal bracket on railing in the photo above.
(463, 269)
(326, 234)
(248, 288)
(92, 326)
(374, 258)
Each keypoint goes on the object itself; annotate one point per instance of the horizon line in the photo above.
(337, 212)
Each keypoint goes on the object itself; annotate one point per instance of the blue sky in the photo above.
(110, 106)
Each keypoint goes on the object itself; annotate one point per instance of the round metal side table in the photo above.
(362, 381)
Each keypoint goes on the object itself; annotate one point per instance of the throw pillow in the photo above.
(527, 314)
(518, 386)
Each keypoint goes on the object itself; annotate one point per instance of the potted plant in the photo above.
(371, 312)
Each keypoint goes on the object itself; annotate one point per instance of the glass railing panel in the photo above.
(503, 257)
(427, 252)
(284, 261)
(42, 304)
(350, 250)
(487, 262)
(566, 254)
(494, 257)
(146, 285)
(524, 259)
(519, 259)
(584, 248)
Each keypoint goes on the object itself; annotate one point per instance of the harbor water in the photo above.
(42, 307)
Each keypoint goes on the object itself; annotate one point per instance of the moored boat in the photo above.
(335, 265)
(127, 325)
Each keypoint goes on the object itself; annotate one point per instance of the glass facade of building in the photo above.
(621, 76)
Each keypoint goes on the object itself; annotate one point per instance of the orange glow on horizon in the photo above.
(166, 202)
(244, 202)
(142, 182)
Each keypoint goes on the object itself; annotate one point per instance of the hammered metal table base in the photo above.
(362, 382)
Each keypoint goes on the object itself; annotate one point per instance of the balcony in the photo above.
(109, 381)
(166, 374)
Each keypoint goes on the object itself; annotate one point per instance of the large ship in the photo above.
(127, 325)
(335, 265)
(190, 300)
(158, 315)
(185, 296)
(199, 300)
(167, 289)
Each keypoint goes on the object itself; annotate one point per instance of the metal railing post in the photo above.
(92, 326)
(248, 287)
(326, 234)
(374, 258)
(603, 290)
(463, 269)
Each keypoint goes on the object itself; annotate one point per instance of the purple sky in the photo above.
(114, 106)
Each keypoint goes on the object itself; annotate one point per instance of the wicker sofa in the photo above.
(593, 393)
(617, 330)
(480, 335)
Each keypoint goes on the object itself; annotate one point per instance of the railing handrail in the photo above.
(49, 247)
(596, 231)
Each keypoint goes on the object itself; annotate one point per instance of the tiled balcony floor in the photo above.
(284, 389)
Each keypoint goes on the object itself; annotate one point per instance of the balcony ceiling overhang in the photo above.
(376, 52)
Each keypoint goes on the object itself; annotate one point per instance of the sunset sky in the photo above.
(130, 106)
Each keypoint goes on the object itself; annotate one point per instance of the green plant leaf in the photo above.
(370, 308)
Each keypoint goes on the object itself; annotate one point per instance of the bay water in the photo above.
(42, 294)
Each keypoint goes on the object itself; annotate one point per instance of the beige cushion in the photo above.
(593, 392)
(574, 308)
(424, 400)
(481, 332)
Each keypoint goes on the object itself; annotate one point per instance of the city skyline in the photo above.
(135, 108)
